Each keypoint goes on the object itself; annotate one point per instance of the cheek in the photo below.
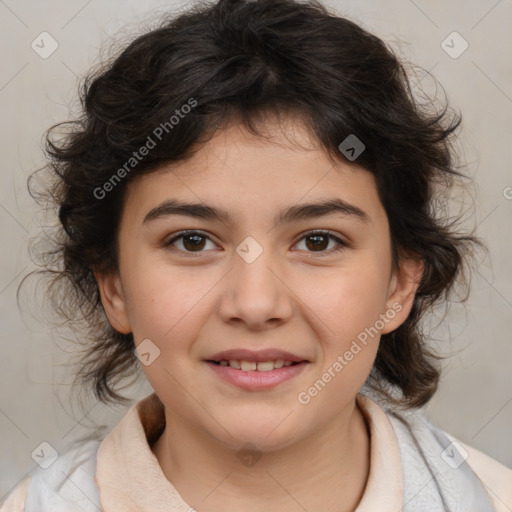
(346, 311)
(163, 303)
(347, 300)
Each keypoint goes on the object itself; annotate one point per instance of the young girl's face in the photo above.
(256, 280)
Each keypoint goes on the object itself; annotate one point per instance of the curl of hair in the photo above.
(240, 61)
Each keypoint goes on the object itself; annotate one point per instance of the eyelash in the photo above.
(182, 234)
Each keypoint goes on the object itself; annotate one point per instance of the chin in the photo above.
(247, 442)
(265, 435)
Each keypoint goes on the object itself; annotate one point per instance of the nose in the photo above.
(256, 293)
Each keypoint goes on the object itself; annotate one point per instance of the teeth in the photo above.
(262, 366)
(247, 365)
(265, 366)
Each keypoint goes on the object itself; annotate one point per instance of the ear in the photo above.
(401, 291)
(113, 300)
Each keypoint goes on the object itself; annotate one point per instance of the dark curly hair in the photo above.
(237, 61)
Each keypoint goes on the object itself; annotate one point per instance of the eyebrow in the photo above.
(288, 215)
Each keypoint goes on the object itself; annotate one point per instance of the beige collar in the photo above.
(130, 478)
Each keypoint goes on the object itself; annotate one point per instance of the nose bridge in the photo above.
(254, 292)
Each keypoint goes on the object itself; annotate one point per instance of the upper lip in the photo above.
(269, 354)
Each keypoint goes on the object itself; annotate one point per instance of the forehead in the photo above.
(246, 173)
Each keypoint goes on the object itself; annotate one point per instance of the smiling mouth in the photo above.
(261, 366)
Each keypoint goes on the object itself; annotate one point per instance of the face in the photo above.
(314, 286)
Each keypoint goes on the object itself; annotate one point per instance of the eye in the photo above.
(318, 241)
(191, 241)
(195, 241)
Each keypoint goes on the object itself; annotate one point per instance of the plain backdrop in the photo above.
(474, 402)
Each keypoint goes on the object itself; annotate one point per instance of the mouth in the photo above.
(256, 371)
(260, 366)
(260, 360)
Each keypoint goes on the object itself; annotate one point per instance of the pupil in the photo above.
(317, 243)
(197, 244)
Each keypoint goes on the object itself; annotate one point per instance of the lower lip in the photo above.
(254, 380)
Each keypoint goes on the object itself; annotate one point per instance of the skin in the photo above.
(311, 302)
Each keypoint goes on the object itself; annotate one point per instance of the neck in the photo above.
(327, 471)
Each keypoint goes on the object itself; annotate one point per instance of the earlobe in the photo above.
(113, 300)
(402, 290)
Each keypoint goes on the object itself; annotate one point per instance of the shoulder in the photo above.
(54, 488)
(438, 445)
(496, 477)
(15, 501)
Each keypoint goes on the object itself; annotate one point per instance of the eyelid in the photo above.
(332, 234)
(185, 232)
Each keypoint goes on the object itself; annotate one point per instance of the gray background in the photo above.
(474, 402)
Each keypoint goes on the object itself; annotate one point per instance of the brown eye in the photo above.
(318, 241)
(191, 241)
